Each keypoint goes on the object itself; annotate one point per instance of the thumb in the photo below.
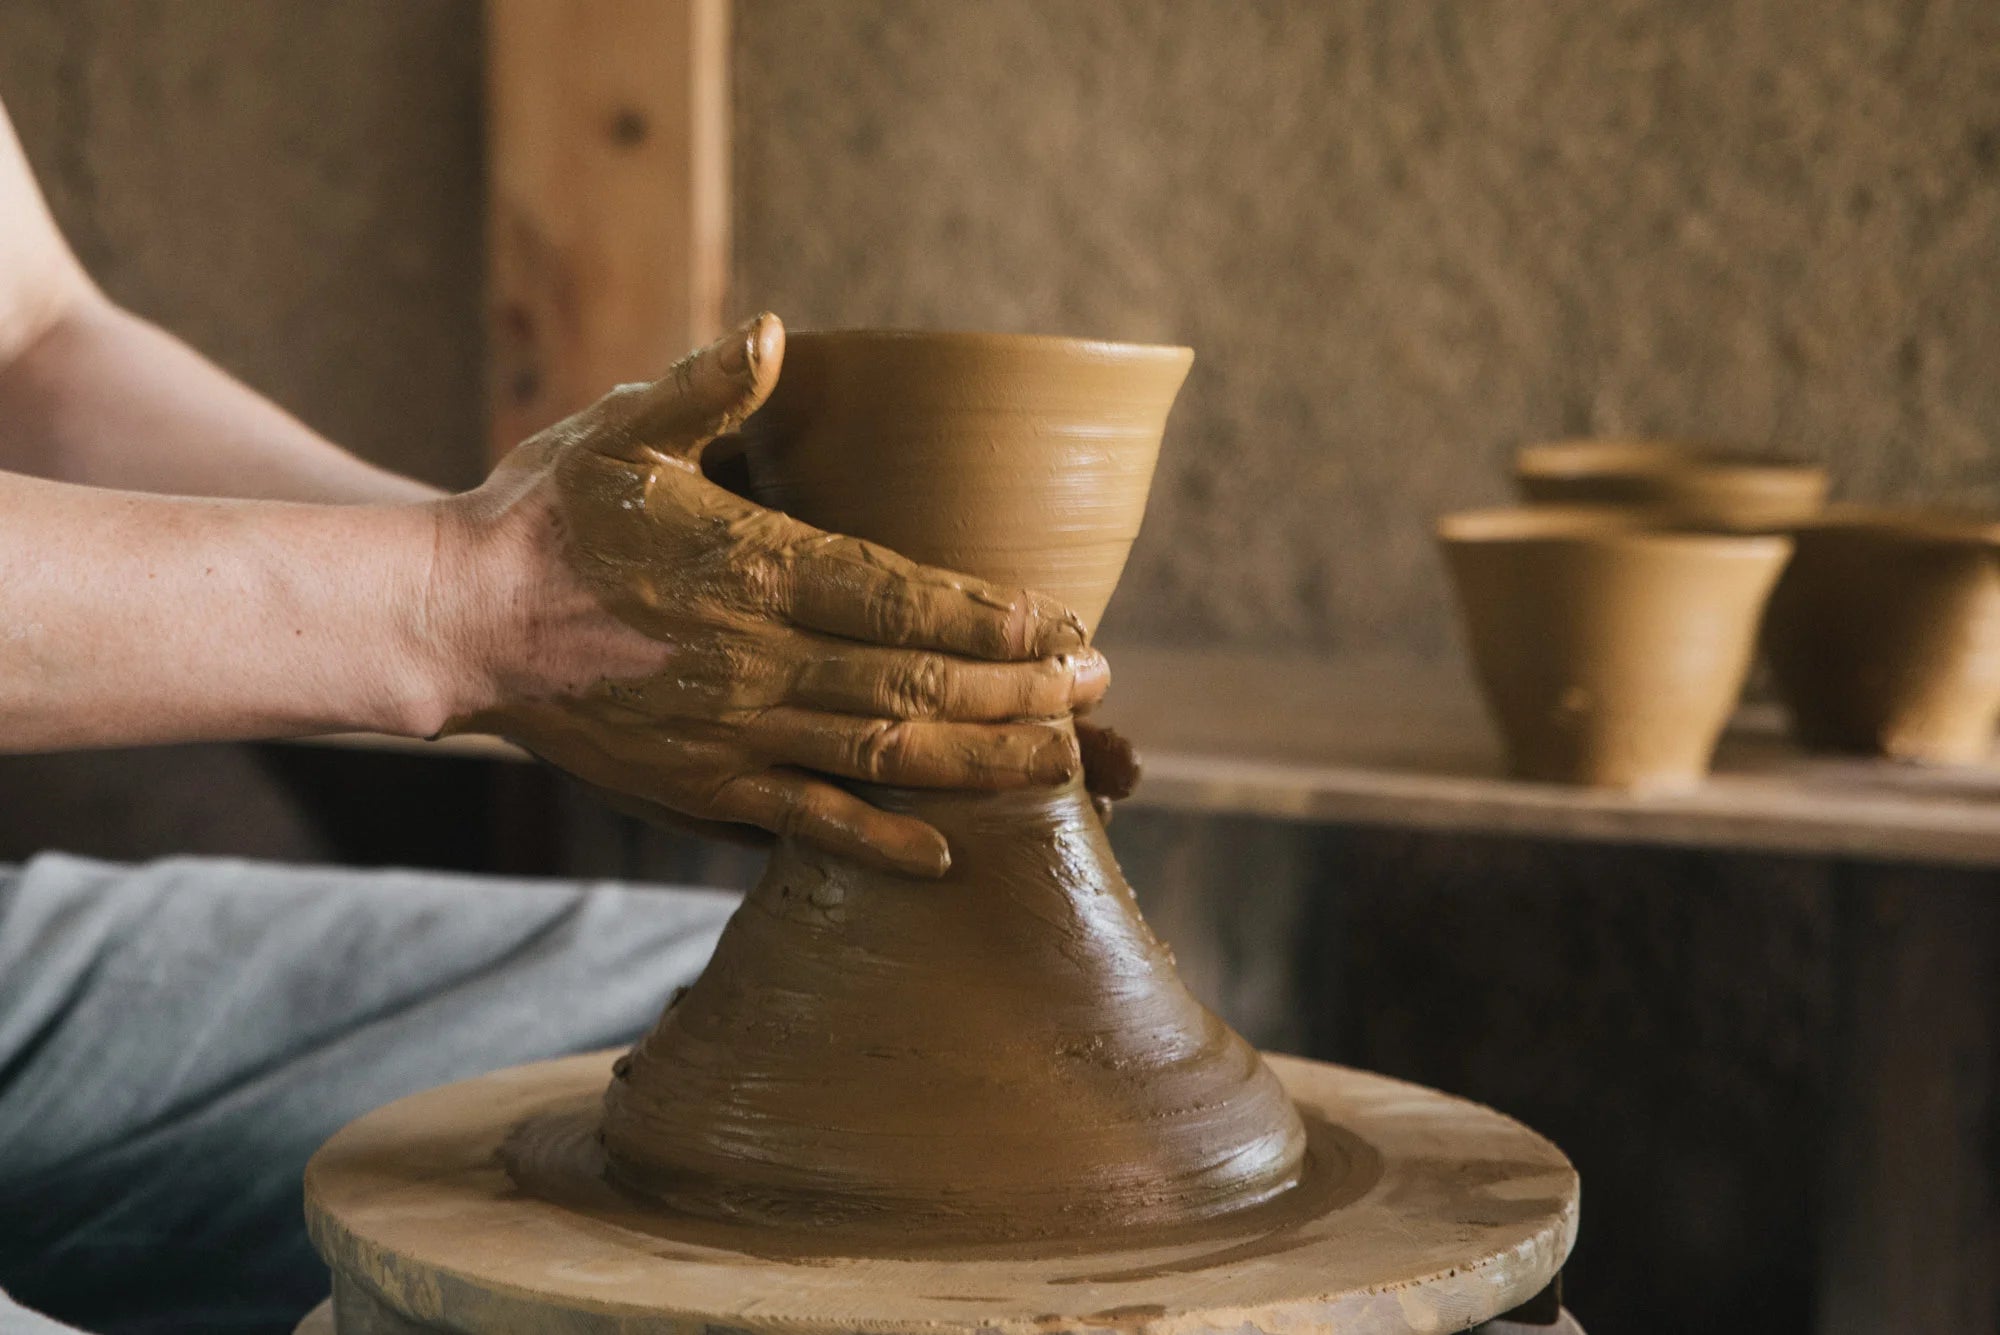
(703, 395)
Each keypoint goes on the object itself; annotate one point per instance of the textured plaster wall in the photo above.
(292, 186)
(1402, 237)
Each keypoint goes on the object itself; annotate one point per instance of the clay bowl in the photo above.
(1696, 485)
(1025, 460)
(1884, 634)
(1611, 647)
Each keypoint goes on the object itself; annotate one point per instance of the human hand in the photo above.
(664, 639)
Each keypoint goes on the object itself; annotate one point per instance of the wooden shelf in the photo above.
(1383, 742)
(1380, 742)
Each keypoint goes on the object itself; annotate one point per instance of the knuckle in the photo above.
(881, 749)
(917, 690)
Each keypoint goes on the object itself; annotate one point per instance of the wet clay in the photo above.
(1611, 648)
(1697, 485)
(483, 1206)
(1884, 634)
(1006, 1052)
(772, 651)
(1003, 1053)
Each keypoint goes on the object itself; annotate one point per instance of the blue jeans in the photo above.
(176, 1039)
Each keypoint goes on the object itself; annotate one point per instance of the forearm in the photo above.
(131, 619)
(104, 398)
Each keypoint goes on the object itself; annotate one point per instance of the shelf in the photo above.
(1394, 743)
(1385, 742)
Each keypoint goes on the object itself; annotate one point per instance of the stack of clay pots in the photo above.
(1614, 618)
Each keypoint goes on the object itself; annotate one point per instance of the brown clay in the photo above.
(773, 652)
(1884, 634)
(1005, 1053)
(1418, 1214)
(1611, 648)
(1695, 485)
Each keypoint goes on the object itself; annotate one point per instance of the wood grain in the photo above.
(607, 197)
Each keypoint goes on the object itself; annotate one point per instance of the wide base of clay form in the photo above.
(1419, 1213)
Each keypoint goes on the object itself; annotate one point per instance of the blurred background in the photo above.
(1403, 236)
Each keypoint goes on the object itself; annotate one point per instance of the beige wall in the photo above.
(1402, 237)
(293, 186)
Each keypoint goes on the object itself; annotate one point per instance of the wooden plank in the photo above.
(1911, 1239)
(608, 196)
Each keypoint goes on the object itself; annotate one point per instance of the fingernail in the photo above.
(735, 355)
(1055, 758)
(1067, 635)
(933, 861)
(742, 349)
(1091, 676)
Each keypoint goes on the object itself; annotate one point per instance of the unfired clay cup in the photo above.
(1611, 648)
(1884, 634)
(1699, 486)
(1023, 459)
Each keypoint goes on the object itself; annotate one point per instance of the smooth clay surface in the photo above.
(1697, 485)
(1418, 1213)
(1611, 651)
(1006, 1053)
(1026, 461)
(1884, 634)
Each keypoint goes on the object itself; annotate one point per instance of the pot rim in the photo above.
(1914, 523)
(1580, 457)
(1100, 349)
(1599, 525)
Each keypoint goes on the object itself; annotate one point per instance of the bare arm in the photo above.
(91, 393)
(597, 598)
(129, 618)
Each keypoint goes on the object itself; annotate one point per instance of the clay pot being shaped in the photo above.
(1611, 648)
(1005, 1053)
(1884, 634)
(1698, 486)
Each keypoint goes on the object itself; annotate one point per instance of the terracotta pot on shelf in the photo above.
(1611, 646)
(1884, 634)
(1698, 485)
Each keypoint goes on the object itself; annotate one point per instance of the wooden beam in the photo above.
(607, 197)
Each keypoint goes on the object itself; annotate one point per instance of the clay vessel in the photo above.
(1696, 485)
(1884, 634)
(1611, 647)
(1006, 1053)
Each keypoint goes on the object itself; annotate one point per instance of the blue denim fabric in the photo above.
(177, 1038)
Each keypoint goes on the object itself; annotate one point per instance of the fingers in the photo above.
(706, 393)
(1111, 767)
(666, 818)
(847, 678)
(820, 814)
(860, 591)
(916, 755)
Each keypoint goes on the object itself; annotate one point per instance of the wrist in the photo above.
(449, 631)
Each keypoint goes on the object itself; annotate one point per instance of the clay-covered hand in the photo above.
(664, 639)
